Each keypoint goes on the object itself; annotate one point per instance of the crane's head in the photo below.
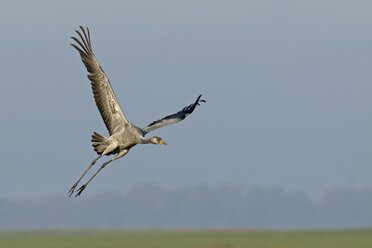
(157, 141)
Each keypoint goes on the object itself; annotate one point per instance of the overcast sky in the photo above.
(288, 85)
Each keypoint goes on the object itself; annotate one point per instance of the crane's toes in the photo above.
(71, 191)
(80, 190)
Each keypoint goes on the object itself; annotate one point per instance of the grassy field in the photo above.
(189, 239)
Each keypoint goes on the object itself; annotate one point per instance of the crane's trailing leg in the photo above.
(71, 191)
(121, 154)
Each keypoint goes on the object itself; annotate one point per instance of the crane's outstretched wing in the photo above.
(170, 119)
(104, 96)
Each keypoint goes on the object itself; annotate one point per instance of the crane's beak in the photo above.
(162, 142)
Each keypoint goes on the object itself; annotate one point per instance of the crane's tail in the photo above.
(98, 142)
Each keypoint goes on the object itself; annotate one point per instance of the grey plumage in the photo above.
(104, 96)
(174, 118)
(123, 134)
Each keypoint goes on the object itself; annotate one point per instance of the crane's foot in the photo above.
(80, 190)
(71, 191)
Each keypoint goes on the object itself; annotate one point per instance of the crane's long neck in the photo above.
(145, 141)
(153, 140)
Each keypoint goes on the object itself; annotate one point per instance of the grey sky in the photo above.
(288, 85)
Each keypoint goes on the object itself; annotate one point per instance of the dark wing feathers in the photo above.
(174, 118)
(104, 96)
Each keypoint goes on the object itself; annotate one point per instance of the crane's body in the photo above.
(123, 134)
(118, 141)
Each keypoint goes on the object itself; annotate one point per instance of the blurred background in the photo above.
(287, 126)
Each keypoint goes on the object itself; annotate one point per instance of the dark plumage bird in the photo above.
(123, 134)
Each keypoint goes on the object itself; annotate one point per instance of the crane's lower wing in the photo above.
(104, 96)
(174, 118)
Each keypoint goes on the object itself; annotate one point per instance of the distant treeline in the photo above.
(150, 206)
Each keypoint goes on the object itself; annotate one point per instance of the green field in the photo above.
(189, 239)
